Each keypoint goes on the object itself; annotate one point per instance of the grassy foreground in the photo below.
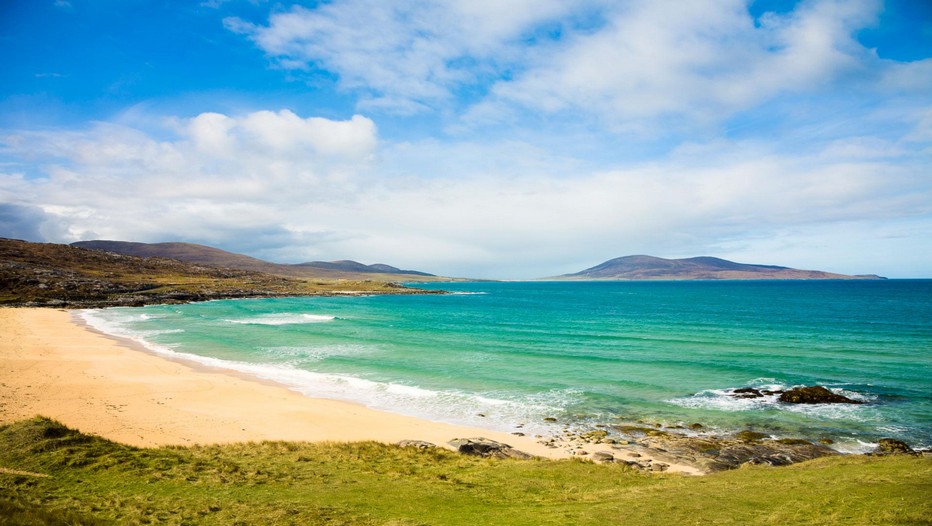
(50, 474)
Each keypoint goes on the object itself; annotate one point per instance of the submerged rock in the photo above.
(815, 394)
(750, 392)
(747, 392)
(484, 447)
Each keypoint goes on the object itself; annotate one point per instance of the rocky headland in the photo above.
(55, 275)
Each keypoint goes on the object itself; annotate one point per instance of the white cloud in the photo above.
(407, 55)
(625, 63)
(689, 61)
(277, 185)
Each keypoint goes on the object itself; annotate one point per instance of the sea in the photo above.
(541, 356)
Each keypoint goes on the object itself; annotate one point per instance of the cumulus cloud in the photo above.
(626, 63)
(293, 189)
(404, 55)
(658, 64)
(216, 178)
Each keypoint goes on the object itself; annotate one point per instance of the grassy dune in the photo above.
(53, 475)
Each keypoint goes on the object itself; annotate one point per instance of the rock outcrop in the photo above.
(712, 454)
(419, 444)
(892, 446)
(484, 447)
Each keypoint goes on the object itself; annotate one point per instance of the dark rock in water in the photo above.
(892, 446)
(483, 447)
(815, 394)
(746, 392)
(420, 444)
(750, 392)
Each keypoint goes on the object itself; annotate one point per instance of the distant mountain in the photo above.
(201, 254)
(698, 268)
(347, 265)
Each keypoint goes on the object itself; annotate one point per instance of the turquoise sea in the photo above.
(502, 354)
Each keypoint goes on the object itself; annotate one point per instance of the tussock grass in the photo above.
(94, 481)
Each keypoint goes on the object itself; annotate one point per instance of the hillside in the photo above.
(48, 274)
(201, 254)
(697, 268)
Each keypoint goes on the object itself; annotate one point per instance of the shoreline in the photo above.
(55, 365)
(112, 387)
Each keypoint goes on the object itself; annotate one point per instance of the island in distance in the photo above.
(645, 268)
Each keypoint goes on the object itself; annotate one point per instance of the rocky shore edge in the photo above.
(656, 449)
(105, 297)
(686, 449)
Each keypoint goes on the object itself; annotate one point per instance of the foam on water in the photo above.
(284, 319)
(120, 326)
(316, 353)
(727, 400)
(450, 406)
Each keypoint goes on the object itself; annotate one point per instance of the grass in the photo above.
(94, 481)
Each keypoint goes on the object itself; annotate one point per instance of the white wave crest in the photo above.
(731, 401)
(450, 406)
(284, 319)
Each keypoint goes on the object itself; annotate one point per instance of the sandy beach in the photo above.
(52, 366)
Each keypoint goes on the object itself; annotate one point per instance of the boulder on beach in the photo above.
(602, 456)
(815, 394)
(484, 447)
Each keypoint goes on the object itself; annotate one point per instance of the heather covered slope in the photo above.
(697, 268)
(48, 274)
(194, 253)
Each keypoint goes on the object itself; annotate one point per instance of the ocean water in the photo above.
(503, 355)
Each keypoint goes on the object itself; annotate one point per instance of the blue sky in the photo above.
(505, 139)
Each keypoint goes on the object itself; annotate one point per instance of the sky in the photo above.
(482, 138)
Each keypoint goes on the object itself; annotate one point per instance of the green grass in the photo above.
(94, 481)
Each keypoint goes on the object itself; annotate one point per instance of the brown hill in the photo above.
(47, 274)
(698, 268)
(194, 253)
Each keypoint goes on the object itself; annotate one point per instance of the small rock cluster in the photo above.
(815, 394)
